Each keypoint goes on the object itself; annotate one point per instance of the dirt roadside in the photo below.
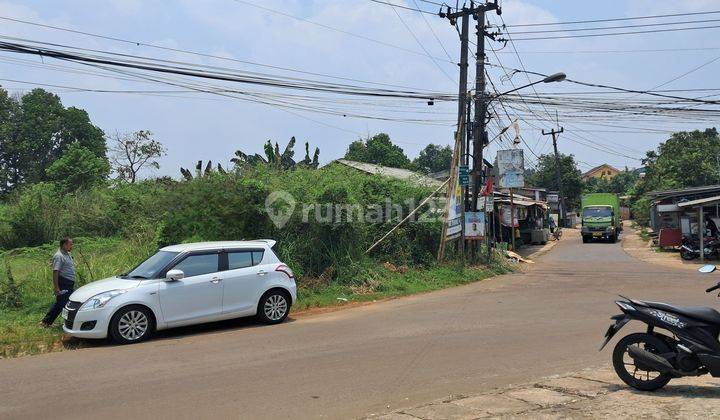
(591, 393)
(638, 248)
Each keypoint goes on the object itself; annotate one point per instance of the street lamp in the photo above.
(557, 77)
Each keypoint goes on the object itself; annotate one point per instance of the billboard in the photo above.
(511, 168)
(474, 224)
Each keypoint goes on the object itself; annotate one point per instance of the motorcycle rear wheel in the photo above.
(687, 255)
(634, 374)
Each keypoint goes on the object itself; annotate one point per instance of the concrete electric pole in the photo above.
(479, 133)
(561, 199)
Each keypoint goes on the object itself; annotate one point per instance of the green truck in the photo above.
(600, 217)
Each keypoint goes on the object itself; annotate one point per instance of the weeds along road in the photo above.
(358, 361)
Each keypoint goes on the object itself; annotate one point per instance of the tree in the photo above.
(279, 160)
(200, 172)
(620, 184)
(543, 176)
(686, 159)
(133, 152)
(310, 163)
(379, 150)
(35, 131)
(433, 158)
(78, 168)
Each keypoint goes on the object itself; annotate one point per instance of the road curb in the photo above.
(590, 393)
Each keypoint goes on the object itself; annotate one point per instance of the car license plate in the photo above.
(65, 314)
(597, 234)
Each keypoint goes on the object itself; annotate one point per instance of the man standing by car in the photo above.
(63, 272)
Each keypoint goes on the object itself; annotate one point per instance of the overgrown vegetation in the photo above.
(55, 182)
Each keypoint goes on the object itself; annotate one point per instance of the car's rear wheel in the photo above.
(132, 324)
(274, 307)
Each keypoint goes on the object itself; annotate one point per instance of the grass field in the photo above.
(100, 258)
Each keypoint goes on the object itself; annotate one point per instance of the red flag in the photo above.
(487, 189)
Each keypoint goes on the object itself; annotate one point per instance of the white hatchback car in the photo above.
(183, 285)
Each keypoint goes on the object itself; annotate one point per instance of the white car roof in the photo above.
(198, 246)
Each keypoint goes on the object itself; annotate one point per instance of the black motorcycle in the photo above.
(647, 361)
(689, 250)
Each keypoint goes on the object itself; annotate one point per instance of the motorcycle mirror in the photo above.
(707, 268)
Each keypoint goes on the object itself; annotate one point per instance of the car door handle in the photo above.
(261, 273)
(215, 280)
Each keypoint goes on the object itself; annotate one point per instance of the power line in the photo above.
(332, 28)
(403, 7)
(190, 52)
(616, 88)
(601, 28)
(422, 46)
(614, 19)
(628, 51)
(617, 33)
(435, 3)
(183, 71)
(434, 34)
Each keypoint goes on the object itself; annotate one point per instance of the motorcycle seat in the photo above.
(702, 313)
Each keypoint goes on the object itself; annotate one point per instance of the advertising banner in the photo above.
(511, 168)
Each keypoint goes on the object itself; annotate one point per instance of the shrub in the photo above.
(231, 206)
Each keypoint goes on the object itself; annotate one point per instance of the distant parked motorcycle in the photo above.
(689, 250)
(648, 361)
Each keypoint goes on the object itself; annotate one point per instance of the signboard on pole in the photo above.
(505, 218)
(464, 174)
(474, 224)
(454, 210)
(486, 204)
(511, 168)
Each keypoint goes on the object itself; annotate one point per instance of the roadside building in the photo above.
(602, 171)
(530, 204)
(675, 213)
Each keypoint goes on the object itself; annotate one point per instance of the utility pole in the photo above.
(561, 199)
(479, 133)
(462, 100)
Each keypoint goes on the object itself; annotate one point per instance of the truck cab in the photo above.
(601, 217)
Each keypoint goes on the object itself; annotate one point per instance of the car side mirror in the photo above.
(174, 275)
(707, 268)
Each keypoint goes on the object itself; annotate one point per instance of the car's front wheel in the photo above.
(132, 324)
(274, 307)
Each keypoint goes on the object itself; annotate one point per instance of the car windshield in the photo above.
(151, 267)
(597, 212)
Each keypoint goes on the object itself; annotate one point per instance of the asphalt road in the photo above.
(358, 361)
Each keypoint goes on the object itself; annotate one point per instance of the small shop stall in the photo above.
(672, 218)
(530, 220)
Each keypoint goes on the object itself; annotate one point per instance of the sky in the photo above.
(349, 39)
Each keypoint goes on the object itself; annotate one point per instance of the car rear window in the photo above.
(242, 259)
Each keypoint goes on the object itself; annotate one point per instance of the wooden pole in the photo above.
(408, 216)
(457, 156)
(512, 219)
(499, 222)
(701, 233)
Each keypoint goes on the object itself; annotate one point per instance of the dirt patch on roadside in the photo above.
(638, 248)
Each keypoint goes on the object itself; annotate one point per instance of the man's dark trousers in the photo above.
(60, 300)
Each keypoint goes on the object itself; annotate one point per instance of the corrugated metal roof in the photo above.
(684, 191)
(396, 173)
(701, 201)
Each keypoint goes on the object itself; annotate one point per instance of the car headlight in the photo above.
(609, 229)
(99, 300)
